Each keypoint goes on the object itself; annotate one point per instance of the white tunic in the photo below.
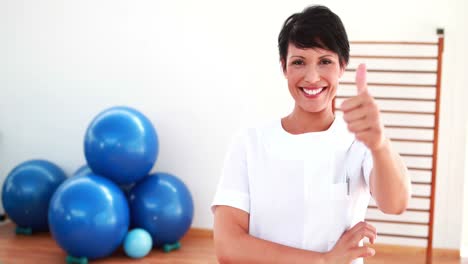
(301, 191)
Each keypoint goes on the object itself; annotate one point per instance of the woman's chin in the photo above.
(316, 109)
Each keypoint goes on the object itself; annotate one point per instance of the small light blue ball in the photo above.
(138, 243)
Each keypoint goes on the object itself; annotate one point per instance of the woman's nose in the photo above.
(311, 75)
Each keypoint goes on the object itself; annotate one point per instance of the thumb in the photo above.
(362, 252)
(361, 79)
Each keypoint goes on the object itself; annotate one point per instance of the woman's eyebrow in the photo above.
(297, 56)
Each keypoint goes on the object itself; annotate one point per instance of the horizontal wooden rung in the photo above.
(419, 169)
(393, 98)
(416, 155)
(394, 84)
(395, 71)
(408, 209)
(406, 112)
(401, 112)
(412, 140)
(409, 127)
(402, 236)
(396, 222)
(419, 197)
(394, 57)
(371, 42)
(404, 99)
(420, 183)
(417, 210)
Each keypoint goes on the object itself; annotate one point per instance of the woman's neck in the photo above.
(300, 121)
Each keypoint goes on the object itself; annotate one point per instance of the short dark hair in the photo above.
(315, 27)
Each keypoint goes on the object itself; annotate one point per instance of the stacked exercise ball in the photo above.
(90, 214)
(121, 144)
(27, 191)
(162, 205)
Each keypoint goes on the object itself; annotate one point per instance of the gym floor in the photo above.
(197, 248)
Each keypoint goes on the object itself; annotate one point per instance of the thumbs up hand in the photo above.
(362, 114)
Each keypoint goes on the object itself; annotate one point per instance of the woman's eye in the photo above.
(298, 62)
(325, 61)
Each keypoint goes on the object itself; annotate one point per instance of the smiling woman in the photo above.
(312, 76)
(297, 189)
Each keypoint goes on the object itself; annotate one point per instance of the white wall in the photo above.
(462, 55)
(464, 235)
(452, 135)
(198, 70)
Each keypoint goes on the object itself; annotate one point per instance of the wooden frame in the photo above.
(434, 127)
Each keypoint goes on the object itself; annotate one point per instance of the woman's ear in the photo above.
(283, 67)
(342, 70)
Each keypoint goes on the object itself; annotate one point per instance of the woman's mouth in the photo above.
(312, 92)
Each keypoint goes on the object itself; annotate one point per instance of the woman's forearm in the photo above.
(389, 181)
(233, 243)
(246, 249)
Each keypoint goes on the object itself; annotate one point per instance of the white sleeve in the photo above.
(233, 186)
(367, 165)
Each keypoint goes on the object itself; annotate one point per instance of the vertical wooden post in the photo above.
(440, 33)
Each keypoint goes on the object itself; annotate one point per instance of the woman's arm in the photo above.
(389, 180)
(233, 244)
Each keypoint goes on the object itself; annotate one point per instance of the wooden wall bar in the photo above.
(406, 85)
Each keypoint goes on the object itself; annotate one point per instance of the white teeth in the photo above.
(313, 91)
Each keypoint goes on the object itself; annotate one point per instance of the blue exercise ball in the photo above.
(162, 205)
(89, 216)
(137, 243)
(121, 144)
(27, 191)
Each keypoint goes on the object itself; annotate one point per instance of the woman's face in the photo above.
(313, 76)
